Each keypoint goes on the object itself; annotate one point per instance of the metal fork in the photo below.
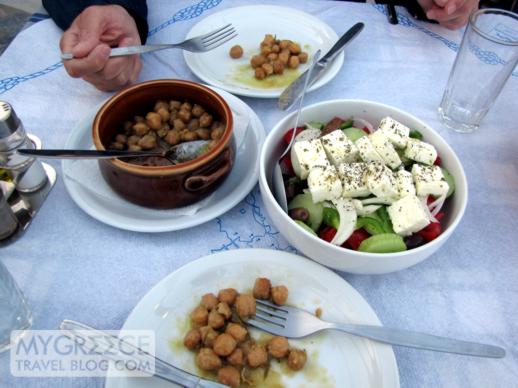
(292, 322)
(119, 350)
(197, 44)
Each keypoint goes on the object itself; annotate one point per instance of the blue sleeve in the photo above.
(63, 12)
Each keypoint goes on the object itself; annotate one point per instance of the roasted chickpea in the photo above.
(217, 133)
(154, 120)
(230, 376)
(184, 115)
(208, 336)
(303, 57)
(209, 301)
(133, 140)
(268, 68)
(203, 133)
(278, 347)
(293, 62)
(294, 48)
(237, 358)
(259, 73)
(128, 125)
(186, 106)
(216, 320)
(147, 142)
(279, 295)
(208, 360)
(276, 49)
(116, 146)
(284, 57)
(265, 50)
(262, 287)
(139, 119)
(172, 137)
(284, 44)
(269, 39)
(192, 339)
(178, 124)
(271, 57)
(257, 356)
(161, 104)
(224, 310)
(227, 295)
(245, 306)
(174, 104)
(257, 60)
(197, 110)
(237, 331)
(224, 344)
(140, 129)
(278, 67)
(236, 51)
(199, 316)
(120, 138)
(164, 114)
(134, 147)
(206, 120)
(297, 359)
(189, 136)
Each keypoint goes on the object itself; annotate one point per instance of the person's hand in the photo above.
(89, 39)
(451, 14)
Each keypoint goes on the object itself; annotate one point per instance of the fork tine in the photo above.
(272, 306)
(216, 37)
(265, 314)
(269, 328)
(214, 32)
(217, 44)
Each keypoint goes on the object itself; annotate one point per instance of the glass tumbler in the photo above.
(14, 313)
(486, 59)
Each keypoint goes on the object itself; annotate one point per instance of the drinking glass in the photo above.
(14, 314)
(487, 57)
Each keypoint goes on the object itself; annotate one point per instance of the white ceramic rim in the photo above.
(339, 250)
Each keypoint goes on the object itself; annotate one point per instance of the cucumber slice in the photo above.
(315, 124)
(383, 243)
(316, 210)
(450, 180)
(305, 227)
(347, 124)
(415, 134)
(404, 159)
(354, 133)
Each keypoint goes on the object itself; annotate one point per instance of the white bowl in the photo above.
(345, 259)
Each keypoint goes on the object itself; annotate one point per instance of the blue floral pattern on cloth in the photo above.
(187, 13)
(488, 57)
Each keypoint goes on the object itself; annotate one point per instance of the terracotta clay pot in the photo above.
(164, 187)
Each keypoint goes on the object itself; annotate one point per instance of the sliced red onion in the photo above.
(362, 123)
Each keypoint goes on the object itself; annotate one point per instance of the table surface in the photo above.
(70, 265)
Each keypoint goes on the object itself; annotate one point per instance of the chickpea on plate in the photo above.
(222, 342)
(275, 56)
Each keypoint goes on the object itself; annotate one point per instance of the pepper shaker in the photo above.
(28, 173)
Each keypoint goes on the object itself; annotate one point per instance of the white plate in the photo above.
(252, 23)
(334, 359)
(132, 217)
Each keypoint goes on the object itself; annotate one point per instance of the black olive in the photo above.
(299, 213)
(414, 241)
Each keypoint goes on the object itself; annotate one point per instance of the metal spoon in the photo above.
(279, 190)
(179, 153)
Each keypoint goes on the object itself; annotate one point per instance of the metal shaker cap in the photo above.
(9, 122)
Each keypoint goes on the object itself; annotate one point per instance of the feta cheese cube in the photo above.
(405, 183)
(420, 151)
(385, 149)
(305, 155)
(339, 149)
(324, 183)
(352, 176)
(408, 215)
(367, 151)
(381, 182)
(396, 132)
(429, 180)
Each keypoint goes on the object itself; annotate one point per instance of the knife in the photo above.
(292, 93)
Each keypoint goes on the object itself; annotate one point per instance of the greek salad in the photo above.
(369, 190)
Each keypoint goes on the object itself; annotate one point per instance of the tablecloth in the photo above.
(70, 265)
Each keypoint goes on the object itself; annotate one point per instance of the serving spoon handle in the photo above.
(86, 154)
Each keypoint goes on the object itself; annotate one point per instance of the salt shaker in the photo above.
(28, 173)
